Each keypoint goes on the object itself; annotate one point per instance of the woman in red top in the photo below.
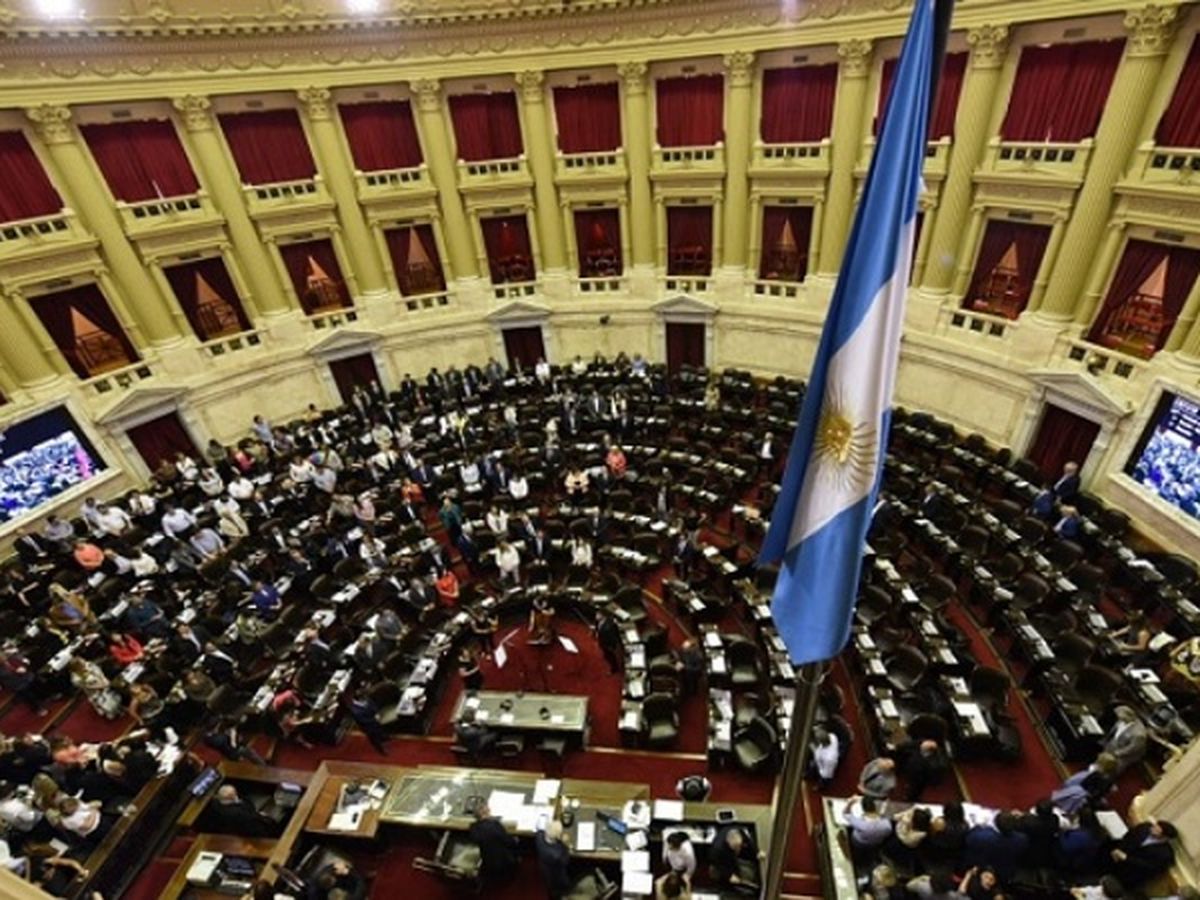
(447, 587)
(125, 648)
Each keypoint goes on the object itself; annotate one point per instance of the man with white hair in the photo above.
(554, 859)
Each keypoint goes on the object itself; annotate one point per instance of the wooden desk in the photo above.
(585, 799)
(257, 849)
(242, 772)
(515, 711)
(326, 805)
(436, 796)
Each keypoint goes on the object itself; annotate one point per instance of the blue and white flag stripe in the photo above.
(820, 520)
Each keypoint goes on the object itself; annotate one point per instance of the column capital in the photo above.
(316, 102)
(530, 82)
(740, 68)
(633, 74)
(428, 93)
(1150, 29)
(197, 112)
(855, 55)
(988, 44)
(52, 123)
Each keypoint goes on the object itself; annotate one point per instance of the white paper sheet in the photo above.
(546, 790)
(668, 810)
(568, 644)
(585, 837)
(501, 656)
(635, 861)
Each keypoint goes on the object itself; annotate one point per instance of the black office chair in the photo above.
(1029, 590)
(661, 717)
(1099, 688)
(1179, 571)
(1073, 652)
(1064, 553)
(1007, 568)
(456, 859)
(906, 668)
(742, 655)
(937, 592)
(928, 727)
(874, 605)
(755, 745)
(593, 885)
(989, 688)
(1032, 531)
(974, 540)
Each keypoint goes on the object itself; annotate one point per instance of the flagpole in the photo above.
(808, 681)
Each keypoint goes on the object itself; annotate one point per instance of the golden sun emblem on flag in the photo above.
(844, 448)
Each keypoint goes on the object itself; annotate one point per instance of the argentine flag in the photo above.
(820, 520)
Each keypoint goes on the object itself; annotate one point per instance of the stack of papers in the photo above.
(668, 810)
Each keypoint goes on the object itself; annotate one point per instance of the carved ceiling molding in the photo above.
(156, 40)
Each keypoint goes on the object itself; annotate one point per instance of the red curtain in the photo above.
(685, 345)
(949, 88)
(208, 298)
(689, 240)
(588, 118)
(418, 268)
(797, 104)
(486, 126)
(510, 254)
(1183, 268)
(691, 111)
(1060, 91)
(350, 371)
(524, 346)
(85, 330)
(315, 274)
(785, 238)
(382, 135)
(268, 146)
(161, 439)
(1138, 263)
(1031, 243)
(598, 241)
(1180, 124)
(28, 193)
(1062, 437)
(141, 160)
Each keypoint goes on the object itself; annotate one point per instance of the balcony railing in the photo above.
(165, 212)
(790, 290)
(333, 318)
(232, 343)
(514, 290)
(1168, 165)
(1039, 160)
(120, 379)
(392, 182)
(281, 196)
(43, 231)
(687, 284)
(426, 301)
(603, 284)
(808, 157)
(493, 172)
(964, 320)
(1098, 360)
(689, 160)
(583, 166)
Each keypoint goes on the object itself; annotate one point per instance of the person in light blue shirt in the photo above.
(868, 829)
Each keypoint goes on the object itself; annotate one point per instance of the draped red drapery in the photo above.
(509, 251)
(797, 104)
(381, 134)
(268, 146)
(598, 241)
(785, 237)
(486, 126)
(1139, 261)
(690, 111)
(418, 267)
(162, 439)
(950, 84)
(524, 346)
(588, 118)
(689, 240)
(28, 193)
(352, 371)
(685, 345)
(1060, 91)
(208, 298)
(85, 330)
(1062, 437)
(1180, 123)
(141, 160)
(986, 293)
(315, 274)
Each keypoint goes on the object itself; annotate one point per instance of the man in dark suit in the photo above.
(497, 848)
(1000, 846)
(29, 547)
(231, 814)
(188, 643)
(1144, 852)
(538, 547)
(1067, 487)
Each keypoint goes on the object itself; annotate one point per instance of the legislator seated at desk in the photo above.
(230, 813)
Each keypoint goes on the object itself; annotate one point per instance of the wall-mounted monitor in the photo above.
(1166, 460)
(40, 458)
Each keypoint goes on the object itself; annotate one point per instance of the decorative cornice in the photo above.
(740, 68)
(316, 102)
(52, 123)
(1150, 29)
(531, 82)
(197, 112)
(988, 45)
(855, 55)
(633, 74)
(428, 94)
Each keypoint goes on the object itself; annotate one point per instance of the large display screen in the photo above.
(40, 458)
(1167, 458)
